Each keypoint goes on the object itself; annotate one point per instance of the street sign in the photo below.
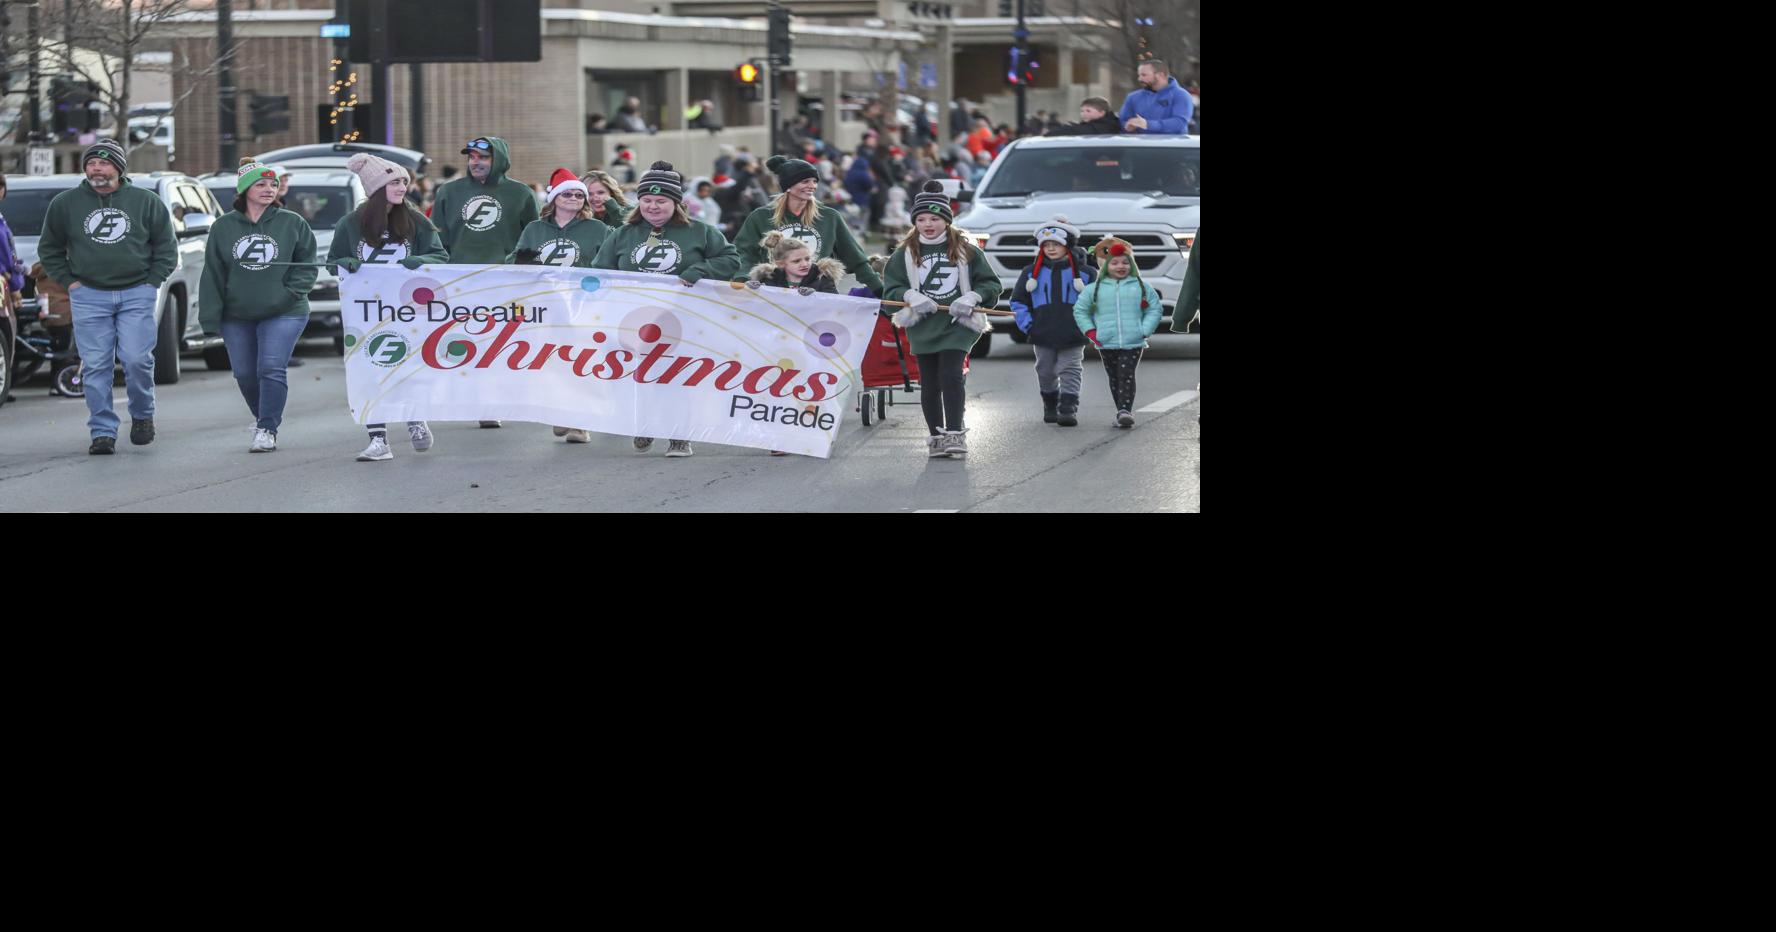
(41, 161)
(336, 30)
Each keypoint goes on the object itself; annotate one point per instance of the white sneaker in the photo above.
(561, 431)
(934, 447)
(643, 443)
(954, 445)
(575, 435)
(264, 441)
(678, 448)
(421, 435)
(377, 451)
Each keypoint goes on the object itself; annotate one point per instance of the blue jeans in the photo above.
(110, 326)
(259, 353)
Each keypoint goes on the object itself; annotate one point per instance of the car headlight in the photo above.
(1185, 241)
(980, 239)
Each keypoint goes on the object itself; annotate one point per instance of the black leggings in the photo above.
(941, 385)
(1120, 366)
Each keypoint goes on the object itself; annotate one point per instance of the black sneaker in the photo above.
(102, 446)
(141, 432)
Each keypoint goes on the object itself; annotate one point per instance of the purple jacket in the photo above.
(9, 262)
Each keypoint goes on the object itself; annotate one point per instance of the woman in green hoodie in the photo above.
(258, 268)
(661, 238)
(567, 236)
(385, 229)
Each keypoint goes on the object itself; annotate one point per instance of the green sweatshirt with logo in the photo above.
(348, 240)
(238, 281)
(940, 278)
(830, 238)
(574, 245)
(692, 252)
(111, 241)
(480, 223)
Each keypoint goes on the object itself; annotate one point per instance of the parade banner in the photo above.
(626, 353)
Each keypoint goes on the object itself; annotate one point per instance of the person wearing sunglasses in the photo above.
(480, 217)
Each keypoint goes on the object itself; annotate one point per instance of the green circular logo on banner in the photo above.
(386, 349)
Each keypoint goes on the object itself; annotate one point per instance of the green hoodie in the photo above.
(110, 242)
(938, 331)
(348, 241)
(239, 284)
(831, 239)
(691, 252)
(480, 223)
(574, 246)
(615, 216)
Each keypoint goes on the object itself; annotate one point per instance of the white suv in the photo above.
(1144, 189)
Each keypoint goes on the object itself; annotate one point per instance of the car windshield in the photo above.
(1173, 170)
(24, 209)
(322, 207)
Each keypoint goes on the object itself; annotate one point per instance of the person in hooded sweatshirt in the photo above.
(385, 229)
(260, 309)
(1160, 106)
(481, 216)
(567, 236)
(111, 244)
(796, 213)
(661, 238)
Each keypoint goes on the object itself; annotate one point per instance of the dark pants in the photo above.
(1120, 366)
(941, 389)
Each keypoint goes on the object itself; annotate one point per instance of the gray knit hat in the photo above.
(933, 200)
(110, 151)
(662, 180)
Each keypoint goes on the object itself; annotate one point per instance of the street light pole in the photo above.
(1022, 36)
(225, 121)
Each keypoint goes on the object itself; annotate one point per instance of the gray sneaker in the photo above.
(421, 435)
(643, 443)
(934, 447)
(954, 445)
(678, 448)
(264, 441)
(377, 451)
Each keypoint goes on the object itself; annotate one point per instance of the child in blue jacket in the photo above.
(1043, 301)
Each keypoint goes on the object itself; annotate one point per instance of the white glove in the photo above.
(905, 317)
(975, 322)
(754, 284)
(963, 307)
(920, 303)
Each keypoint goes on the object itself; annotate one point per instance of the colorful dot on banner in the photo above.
(589, 284)
(351, 340)
(650, 333)
(786, 364)
(598, 336)
(457, 350)
(827, 339)
(422, 295)
(736, 285)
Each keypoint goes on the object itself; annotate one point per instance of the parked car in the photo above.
(175, 311)
(334, 155)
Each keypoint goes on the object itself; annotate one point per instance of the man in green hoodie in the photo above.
(111, 244)
(482, 215)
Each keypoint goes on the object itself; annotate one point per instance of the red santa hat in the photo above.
(563, 180)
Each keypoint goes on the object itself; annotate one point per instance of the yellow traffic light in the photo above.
(747, 73)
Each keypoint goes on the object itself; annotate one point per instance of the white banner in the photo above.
(623, 353)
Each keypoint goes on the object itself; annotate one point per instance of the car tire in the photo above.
(216, 358)
(166, 346)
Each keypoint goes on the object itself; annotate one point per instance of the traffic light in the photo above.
(777, 41)
(750, 75)
(270, 115)
(1020, 66)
